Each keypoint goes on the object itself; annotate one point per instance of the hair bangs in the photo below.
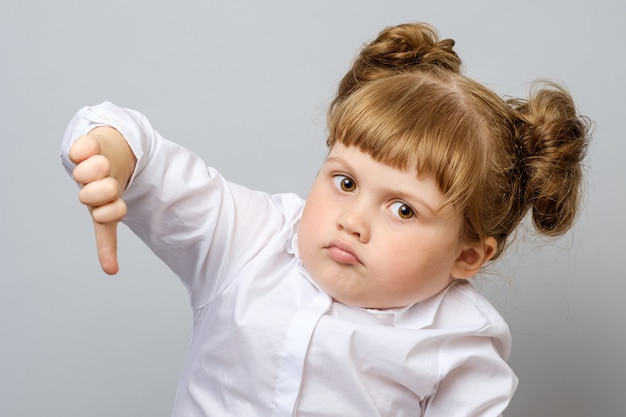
(412, 122)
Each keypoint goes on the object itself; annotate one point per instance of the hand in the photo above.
(102, 194)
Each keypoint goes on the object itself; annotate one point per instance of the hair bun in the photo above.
(553, 139)
(409, 46)
(403, 48)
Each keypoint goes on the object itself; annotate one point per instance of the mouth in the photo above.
(342, 252)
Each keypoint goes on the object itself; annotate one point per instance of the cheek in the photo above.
(310, 227)
(310, 218)
(421, 254)
(315, 210)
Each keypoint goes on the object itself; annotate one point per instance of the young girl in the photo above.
(356, 302)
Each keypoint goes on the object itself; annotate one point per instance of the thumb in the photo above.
(106, 243)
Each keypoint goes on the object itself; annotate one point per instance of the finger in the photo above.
(83, 148)
(112, 212)
(100, 192)
(106, 243)
(92, 169)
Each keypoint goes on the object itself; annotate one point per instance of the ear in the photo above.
(473, 256)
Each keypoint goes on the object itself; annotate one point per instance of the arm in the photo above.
(104, 165)
(162, 191)
(477, 381)
(202, 226)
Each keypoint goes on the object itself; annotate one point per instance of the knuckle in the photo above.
(100, 165)
(99, 192)
(110, 188)
(92, 169)
(83, 148)
(109, 213)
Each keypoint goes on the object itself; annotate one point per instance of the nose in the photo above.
(354, 220)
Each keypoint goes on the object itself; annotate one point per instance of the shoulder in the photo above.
(459, 311)
(461, 305)
(466, 313)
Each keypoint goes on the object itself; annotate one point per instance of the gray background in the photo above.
(245, 84)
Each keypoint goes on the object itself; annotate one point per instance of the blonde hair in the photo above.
(406, 103)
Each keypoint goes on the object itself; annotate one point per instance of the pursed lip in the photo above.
(342, 252)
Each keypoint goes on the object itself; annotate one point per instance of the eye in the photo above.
(402, 210)
(345, 183)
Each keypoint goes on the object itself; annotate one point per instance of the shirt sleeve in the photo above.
(202, 226)
(477, 381)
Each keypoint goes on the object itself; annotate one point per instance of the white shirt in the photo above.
(266, 340)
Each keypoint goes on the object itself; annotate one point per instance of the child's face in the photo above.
(370, 235)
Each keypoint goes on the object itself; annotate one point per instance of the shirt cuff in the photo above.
(132, 125)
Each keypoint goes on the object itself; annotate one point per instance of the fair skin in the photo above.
(371, 235)
(104, 165)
